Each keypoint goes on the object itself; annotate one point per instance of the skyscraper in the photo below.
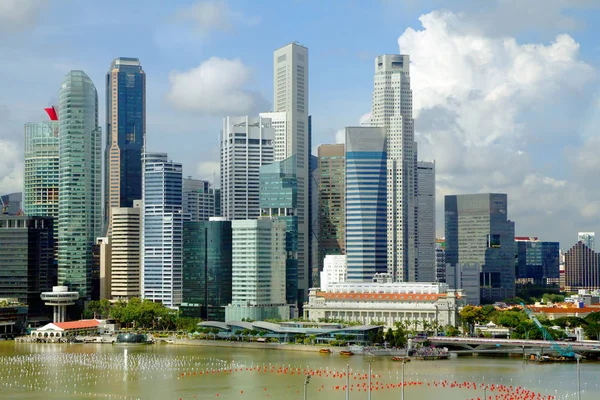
(588, 238)
(582, 268)
(41, 168)
(11, 204)
(331, 203)
(125, 246)
(258, 271)
(426, 260)
(163, 217)
(198, 199)
(292, 138)
(392, 110)
(366, 221)
(246, 145)
(26, 259)
(206, 268)
(80, 163)
(125, 133)
(279, 201)
(479, 233)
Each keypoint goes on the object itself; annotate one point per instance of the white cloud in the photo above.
(483, 105)
(213, 16)
(18, 15)
(340, 134)
(11, 167)
(208, 170)
(215, 87)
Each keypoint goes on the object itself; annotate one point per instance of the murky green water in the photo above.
(88, 371)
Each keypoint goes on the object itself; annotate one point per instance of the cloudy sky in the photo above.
(505, 91)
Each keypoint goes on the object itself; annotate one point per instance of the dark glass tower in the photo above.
(279, 200)
(125, 134)
(207, 250)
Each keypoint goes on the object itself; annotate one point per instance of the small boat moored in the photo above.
(346, 353)
(403, 359)
(325, 351)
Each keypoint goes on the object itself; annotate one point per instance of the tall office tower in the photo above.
(258, 271)
(582, 268)
(206, 268)
(11, 204)
(292, 138)
(440, 260)
(198, 199)
(246, 145)
(79, 192)
(366, 222)
(426, 261)
(162, 222)
(41, 168)
(588, 238)
(125, 134)
(101, 253)
(279, 200)
(331, 202)
(392, 110)
(125, 245)
(479, 233)
(218, 203)
(26, 259)
(537, 261)
(313, 195)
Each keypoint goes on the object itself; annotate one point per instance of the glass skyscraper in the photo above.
(366, 195)
(163, 230)
(479, 233)
(80, 162)
(279, 200)
(40, 186)
(537, 261)
(125, 133)
(206, 268)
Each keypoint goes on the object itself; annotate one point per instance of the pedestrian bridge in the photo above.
(487, 345)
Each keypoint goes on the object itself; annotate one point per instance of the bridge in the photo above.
(487, 345)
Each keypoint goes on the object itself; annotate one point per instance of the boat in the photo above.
(325, 351)
(403, 359)
(346, 353)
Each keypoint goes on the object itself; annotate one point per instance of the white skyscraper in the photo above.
(292, 137)
(162, 255)
(258, 270)
(426, 256)
(125, 270)
(392, 109)
(246, 145)
(588, 238)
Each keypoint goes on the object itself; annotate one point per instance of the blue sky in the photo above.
(505, 91)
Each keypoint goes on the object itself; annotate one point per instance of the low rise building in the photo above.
(387, 303)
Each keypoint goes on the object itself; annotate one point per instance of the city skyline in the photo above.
(500, 131)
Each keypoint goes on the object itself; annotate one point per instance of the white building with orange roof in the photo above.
(72, 328)
(388, 303)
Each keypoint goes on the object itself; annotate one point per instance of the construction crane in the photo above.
(3, 207)
(565, 351)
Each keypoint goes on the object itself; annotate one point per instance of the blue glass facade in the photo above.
(278, 199)
(163, 230)
(538, 261)
(366, 202)
(125, 132)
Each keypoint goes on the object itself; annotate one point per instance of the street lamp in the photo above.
(369, 360)
(403, 362)
(306, 382)
(578, 357)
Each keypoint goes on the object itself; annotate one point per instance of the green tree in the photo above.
(451, 330)
(389, 337)
(400, 337)
(471, 315)
(510, 319)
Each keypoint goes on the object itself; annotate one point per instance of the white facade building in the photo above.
(162, 254)
(426, 254)
(292, 137)
(246, 145)
(415, 304)
(125, 246)
(465, 277)
(588, 238)
(392, 109)
(335, 270)
(198, 199)
(258, 270)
